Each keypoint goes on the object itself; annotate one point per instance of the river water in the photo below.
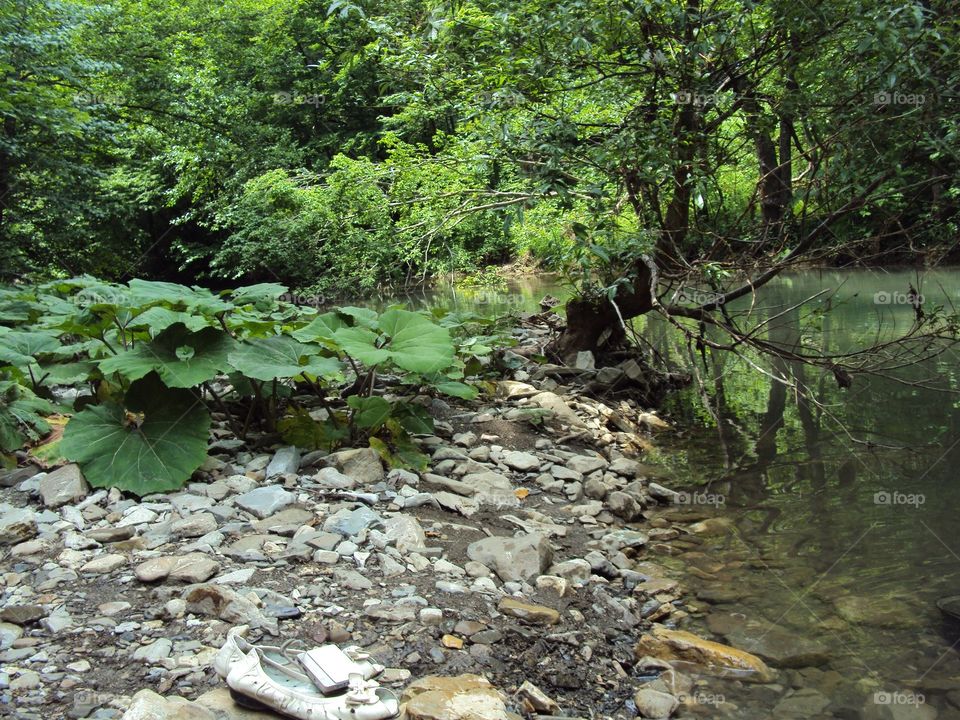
(837, 506)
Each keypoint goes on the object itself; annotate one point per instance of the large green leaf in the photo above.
(321, 328)
(70, 373)
(370, 412)
(361, 343)
(151, 444)
(278, 356)
(407, 339)
(181, 358)
(263, 295)
(146, 292)
(20, 348)
(362, 317)
(158, 319)
(21, 416)
(456, 389)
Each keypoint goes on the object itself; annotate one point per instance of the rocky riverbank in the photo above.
(524, 570)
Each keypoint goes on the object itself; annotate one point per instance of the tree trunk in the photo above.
(598, 324)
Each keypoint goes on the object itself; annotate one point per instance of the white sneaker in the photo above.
(258, 682)
(235, 648)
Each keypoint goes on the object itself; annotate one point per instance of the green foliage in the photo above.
(21, 416)
(146, 360)
(151, 443)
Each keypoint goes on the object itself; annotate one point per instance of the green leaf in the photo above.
(321, 328)
(404, 453)
(456, 389)
(70, 373)
(20, 348)
(158, 319)
(21, 416)
(411, 341)
(362, 317)
(277, 356)
(361, 344)
(371, 412)
(416, 343)
(152, 445)
(182, 358)
(261, 295)
(413, 418)
(299, 429)
(144, 292)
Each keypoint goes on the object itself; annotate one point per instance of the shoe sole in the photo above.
(248, 702)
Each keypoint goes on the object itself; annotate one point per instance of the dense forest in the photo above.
(348, 147)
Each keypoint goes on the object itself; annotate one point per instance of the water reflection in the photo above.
(843, 501)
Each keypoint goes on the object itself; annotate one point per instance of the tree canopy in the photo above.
(351, 145)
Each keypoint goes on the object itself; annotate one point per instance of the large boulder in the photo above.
(513, 558)
(669, 645)
(464, 697)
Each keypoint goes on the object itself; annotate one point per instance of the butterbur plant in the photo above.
(143, 366)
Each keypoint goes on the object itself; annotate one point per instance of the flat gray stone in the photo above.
(104, 564)
(265, 501)
(332, 478)
(16, 524)
(586, 464)
(153, 653)
(522, 461)
(362, 464)
(286, 461)
(195, 525)
(405, 532)
(64, 485)
(350, 522)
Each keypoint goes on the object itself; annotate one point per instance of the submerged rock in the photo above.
(950, 606)
(667, 644)
(773, 643)
(654, 704)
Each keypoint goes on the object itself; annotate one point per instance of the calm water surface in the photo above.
(838, 506)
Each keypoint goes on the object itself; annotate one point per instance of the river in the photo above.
(838, 505)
